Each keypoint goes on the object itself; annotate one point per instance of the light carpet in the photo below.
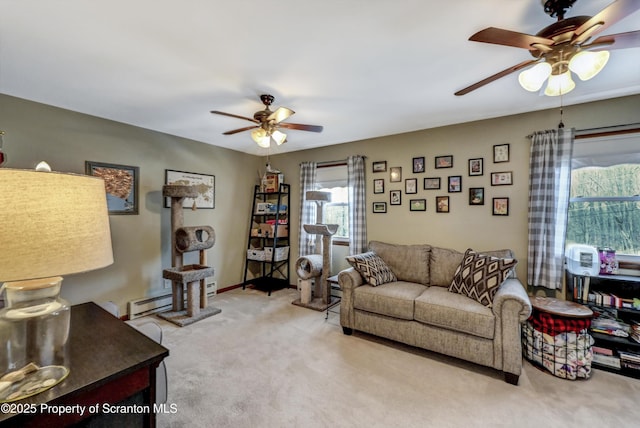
(264, 362)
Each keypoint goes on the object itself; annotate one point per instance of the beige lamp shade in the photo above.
(52, 224)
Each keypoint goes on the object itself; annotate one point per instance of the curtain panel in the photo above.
(357, 204)
(549, 186)
(306, 242)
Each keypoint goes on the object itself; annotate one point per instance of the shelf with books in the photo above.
(615, 301)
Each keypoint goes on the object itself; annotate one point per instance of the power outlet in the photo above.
(166, 283)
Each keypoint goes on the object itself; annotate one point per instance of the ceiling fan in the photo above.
(267, 123)
(562, 47)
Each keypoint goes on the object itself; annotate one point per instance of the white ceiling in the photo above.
(360, 68)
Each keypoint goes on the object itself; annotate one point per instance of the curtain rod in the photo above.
(629, 128)
(327, 164)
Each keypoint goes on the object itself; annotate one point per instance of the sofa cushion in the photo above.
(408, 262)
(374, 270)
(444, 263)
(440, 308)
(479, 276)
(393, 299)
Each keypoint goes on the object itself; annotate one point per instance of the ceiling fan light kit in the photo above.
(562, 47)
(587, 64)
(559, 84)
(267, 123)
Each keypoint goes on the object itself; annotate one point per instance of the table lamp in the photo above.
(51, 224)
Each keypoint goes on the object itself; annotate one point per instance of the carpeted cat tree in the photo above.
(316, 268)
(184, 240)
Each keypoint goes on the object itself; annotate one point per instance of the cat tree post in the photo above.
(193, 277)
(309, 265)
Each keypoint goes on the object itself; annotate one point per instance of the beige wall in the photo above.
(141, 243)
(465, 226)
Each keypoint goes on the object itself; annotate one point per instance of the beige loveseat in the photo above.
(418, 309)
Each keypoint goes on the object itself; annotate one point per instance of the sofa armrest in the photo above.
(348, 279)
(512, 291)
(511, 307)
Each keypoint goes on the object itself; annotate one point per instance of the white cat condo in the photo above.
(315, 269)
(193, 276)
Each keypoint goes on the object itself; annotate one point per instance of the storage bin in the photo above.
(282, 253)
(256, 254)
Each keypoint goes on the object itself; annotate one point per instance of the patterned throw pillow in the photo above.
(374, 270)
(479, 276)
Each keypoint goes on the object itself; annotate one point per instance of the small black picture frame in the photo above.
(417, 205)
(442, 204)
(501, 206)
(418, 164)
(379, 166)
(476, 196)
(395, 174)
(379, 207)
(432, 183)
(444, 162)
(476, 166)
(454, 184)
(500, 153)
(395, 197)
(411, 186)
(378, 185)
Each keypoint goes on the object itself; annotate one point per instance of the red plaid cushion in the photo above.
(554, 324)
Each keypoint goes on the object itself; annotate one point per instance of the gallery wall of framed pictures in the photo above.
(440, 178)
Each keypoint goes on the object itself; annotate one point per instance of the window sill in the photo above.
(342, 242)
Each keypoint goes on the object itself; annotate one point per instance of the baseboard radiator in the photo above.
(163, 302)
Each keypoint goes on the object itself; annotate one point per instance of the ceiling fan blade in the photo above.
(617, 41)
(603, 19)
(499, 36)
(234, 115)
(235, 131)
(312, 128)
(281, 113)
(495, 77)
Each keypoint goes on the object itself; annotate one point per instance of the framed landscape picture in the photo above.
(380, 166)
(432, 183)
(444, 161)
(379, 207)
(417, 205)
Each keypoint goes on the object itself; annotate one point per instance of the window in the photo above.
(333, 179)
(604, 205)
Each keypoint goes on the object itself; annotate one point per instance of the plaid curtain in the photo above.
(549, 185)
(307, 208)
(357, 205)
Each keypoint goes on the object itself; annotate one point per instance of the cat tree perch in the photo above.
(317, 267)
(193, 276)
